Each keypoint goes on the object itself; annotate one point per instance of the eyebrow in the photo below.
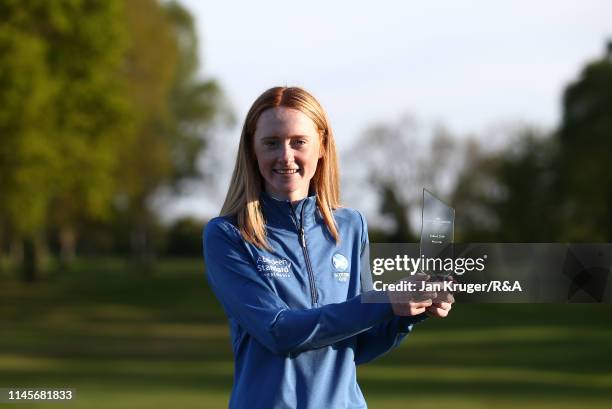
(285, 137)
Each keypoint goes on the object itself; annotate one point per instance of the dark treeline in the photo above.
(548, 187)
(100, 108)
(541, 186)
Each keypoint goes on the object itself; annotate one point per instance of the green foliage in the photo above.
(184, 238)
(100, 108)
(585, 139)
(92, 110)
(174, 110)
(507, 196)
(28, 158)
(63, 109)
(194, 104)
(393, 207)
(547, 187)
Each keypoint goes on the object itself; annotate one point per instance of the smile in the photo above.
(286, 171)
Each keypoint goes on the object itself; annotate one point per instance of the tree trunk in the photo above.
(16, 250)
(42, 252)
(142, 253)
(35, 257)
(30, 264)
(67, 239)
(2, 248)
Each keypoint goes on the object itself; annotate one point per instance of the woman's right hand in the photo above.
(411, 308)
(409, 303)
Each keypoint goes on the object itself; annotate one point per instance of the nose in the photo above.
(286, 153)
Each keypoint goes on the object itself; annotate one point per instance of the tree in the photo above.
(174, 111)
(398, 160)
(506, 196)
(548, 187)
(26, 154)
(585, 149)
(63, 112)
(184, 238)
(100, 108)
(476, 196)
(92, 116)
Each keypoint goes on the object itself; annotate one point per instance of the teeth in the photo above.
(286, 171)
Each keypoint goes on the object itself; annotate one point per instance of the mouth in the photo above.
(286, 171)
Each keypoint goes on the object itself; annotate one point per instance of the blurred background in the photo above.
(119, 123)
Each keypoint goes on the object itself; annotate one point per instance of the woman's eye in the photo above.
(270, 143)
(300, 142)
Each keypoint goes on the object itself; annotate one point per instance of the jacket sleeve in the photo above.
(388, 334)
(248, 299)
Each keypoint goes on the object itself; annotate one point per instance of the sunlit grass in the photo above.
(464, 401)
(486, 375)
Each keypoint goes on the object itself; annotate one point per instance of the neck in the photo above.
(292, 197)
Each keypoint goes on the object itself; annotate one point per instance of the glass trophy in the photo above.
(437, 229)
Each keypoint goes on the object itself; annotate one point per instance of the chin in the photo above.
(287, 190)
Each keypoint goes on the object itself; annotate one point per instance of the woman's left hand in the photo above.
(439, 310)
(441, 305)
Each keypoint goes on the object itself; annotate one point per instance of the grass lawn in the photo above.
(124, 339)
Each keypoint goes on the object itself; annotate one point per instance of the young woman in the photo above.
(285, 260)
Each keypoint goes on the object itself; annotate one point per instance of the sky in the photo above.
(469, 65)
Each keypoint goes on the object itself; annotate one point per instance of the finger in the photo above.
(444, 305)
(409, 310)
(441, 313)
(408, 297)
(445, 296)
(421, 296)
(421, 304)
(437, 312)
(413, 310)
(417, 311)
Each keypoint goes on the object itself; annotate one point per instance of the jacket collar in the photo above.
(283, 213)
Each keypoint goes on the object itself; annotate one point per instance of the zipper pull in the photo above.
(302, 237)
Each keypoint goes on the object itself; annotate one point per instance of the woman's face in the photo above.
(287, 148)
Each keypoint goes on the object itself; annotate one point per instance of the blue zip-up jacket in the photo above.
(297, 321)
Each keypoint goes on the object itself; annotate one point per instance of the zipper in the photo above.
(302, 237)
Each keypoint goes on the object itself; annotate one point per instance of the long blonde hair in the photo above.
(242, 199)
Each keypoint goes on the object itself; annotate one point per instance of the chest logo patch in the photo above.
(274, 267)
(340, 262)
(341, 266)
